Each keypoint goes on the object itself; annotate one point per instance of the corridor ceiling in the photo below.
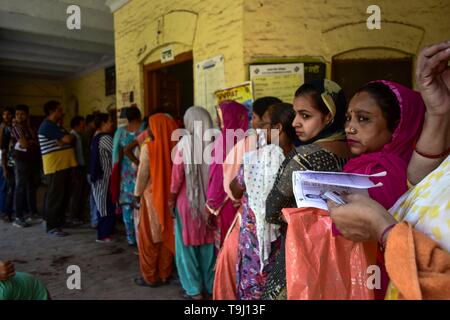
(35, 41)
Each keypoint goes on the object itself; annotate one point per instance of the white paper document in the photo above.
(309, 186)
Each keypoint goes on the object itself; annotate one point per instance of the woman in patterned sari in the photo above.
(319, 124)
(225, 287)
(253, 183)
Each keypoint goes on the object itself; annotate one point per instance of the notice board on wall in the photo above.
(209, 77)
(281, 80)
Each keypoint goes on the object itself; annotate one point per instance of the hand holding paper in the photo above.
(310, 187)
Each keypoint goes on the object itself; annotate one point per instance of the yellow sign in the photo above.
(242, 93)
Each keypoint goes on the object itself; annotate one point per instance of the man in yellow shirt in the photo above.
(58, 158)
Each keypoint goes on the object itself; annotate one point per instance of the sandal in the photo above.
(141, 282)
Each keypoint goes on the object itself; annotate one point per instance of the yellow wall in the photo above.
(208, 28)
(323, 29)
(30, 92)
(245, 31)
(89, 92)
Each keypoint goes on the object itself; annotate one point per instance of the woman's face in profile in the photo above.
(365, 126)
(308, 121)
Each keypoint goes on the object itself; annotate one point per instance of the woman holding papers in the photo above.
(383, 121)
(319, 123)
(416, 252)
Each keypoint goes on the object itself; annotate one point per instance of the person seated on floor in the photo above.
(20, 285)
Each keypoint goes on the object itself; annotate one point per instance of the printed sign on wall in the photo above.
(242, 93)
(209, 77)
(167, 55)
(277, 80)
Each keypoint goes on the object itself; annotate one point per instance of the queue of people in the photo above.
(212, 202)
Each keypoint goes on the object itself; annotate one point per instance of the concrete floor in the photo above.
(107, 270)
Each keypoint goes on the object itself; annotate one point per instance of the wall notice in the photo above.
(167, 55)
(209, 77)
(242, 93)
(277, 80)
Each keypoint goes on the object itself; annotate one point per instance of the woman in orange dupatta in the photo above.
(155, 227)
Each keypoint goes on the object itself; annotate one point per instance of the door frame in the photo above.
(151, 84)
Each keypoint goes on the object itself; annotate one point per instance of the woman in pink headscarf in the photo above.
(383, 122)
(232, 117)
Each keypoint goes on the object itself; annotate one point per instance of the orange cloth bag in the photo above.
(320, 266)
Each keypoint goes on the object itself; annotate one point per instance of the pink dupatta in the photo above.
(393, 158)
(235, 116)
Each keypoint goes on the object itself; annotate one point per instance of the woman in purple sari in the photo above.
(232, 116)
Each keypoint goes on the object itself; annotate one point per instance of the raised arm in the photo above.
(433, 80)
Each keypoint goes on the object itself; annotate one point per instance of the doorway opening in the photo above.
(169, 87)
(351, 74)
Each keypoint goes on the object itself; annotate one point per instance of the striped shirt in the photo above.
(100, 188)
(55, 157)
